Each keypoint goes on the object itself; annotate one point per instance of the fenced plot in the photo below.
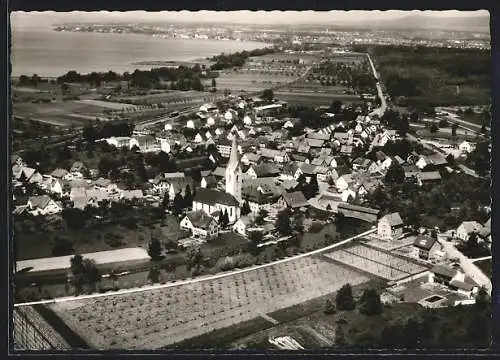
(156, 318)
(377, 262)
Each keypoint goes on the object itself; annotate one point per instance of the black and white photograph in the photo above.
(250, 180)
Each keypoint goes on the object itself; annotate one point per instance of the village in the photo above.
(348, 194)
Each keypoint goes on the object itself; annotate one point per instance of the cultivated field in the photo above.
(312, 98)
(158, 318)
(166, 97)
(377, 262)
(253, 81)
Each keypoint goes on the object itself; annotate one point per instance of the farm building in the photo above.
(390, 226)
(426, 248)
(358, 212)
(453, 278)
(200, 224)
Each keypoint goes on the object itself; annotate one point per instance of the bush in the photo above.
(329, 307)
(62, 247)
(370, 303)
(344, 299)
(316, 227)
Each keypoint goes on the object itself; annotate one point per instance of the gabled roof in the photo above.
(252, 157)
(443, 270)
(295, 199)
(59, 173)
(39, 201)
(437, 159)
(347, 149)
(394, 219)
(213, 197)
(271, 153)
(380, 155)
(318, 136)
(265, 169)
(424, 242)
(219, 172)
(200, 219)
(315, 142)
(289, 168)
(180, 183)
(429, 175)
(307, 169)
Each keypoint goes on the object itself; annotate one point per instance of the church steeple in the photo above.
(233, 172)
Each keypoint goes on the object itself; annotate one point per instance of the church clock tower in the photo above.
(233, 173)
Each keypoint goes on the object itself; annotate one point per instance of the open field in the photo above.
(157, 318)
(106, 104)
(302, 97)
(251, 82)
(377, 262)
(284, 58)
(164, 97)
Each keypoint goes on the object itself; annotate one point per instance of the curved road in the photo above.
(195, 280)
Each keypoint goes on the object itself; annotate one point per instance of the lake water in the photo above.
(50, 53)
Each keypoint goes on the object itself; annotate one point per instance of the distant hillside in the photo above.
(426, 22)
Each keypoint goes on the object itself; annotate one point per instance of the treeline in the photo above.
(100, 131)
(228, 61)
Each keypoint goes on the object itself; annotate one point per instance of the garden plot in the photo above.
(376, 262)
(157, 318)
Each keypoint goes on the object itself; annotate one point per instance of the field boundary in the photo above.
(195, 280)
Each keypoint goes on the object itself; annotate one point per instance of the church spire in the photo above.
(233, 158)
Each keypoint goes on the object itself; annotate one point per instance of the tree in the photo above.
(194, 257)
(434, 128)
(75, 218)
(255, 238)
(283, 224)
(259, 220)
(178, 204)
(188, 197)
(336, 106)
(395, 174)
(62, 246)
(154, 274)
(370, 303)
(344, 299)
(268, 95)
(483, 301)
(214, 83)
(245, 208)
(329, 307)
(155, 249)
(403, 126)
(84, 271)
(92, 273)
(225, 219)
(340, 336)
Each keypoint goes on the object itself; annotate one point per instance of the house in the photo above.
(78, 169)
(131, 194)
(294, 200)
(324, 173)
(428, 178)
(209, 182)
(343, 182)
(348, 194)
(467, 228)
(290, 123)
(263, 170)
(346, 150)
(16, 160)
(250, 158)
(368, 186)
(289, 170)
(242, 225)
(119, 141)
(178, 186)
(211, 200)
(466, 147)
(307, 170)
(159, 185)
(58, 173)
(386, 163)
(105, 184)
(145, 143)
(426, 248)
(411, 171)
(361, 163)
(43, 205)
(455, 279)
(315, 143)
(201, 224)
(318, 136)
(390, 226)
(374, 168)
(275, 155)
(56, 187)
(258, 198)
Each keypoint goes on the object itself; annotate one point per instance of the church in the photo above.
(213, 200)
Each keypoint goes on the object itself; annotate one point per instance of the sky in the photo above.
(251, 17)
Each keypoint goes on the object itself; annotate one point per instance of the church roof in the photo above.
(213, 197)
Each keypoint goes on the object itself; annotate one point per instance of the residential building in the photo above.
(201, 224)
(390, 226)
(467, 228)
(43, 205)
(426, 248)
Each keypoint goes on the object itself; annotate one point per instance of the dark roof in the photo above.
(380, 155)
(307, 169)
(424, 242)
(295, 199)
(213, 197)
(462, 285)
(347, 206)
(200, 219)
(39, 201)
(394, 219)
(429, 175)
(251, 194)
(180, 183)
(192, 162)
(290, 168)
(265, 169)
(443, 270)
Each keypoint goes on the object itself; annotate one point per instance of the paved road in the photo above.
(196, 280)
(383, 107)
